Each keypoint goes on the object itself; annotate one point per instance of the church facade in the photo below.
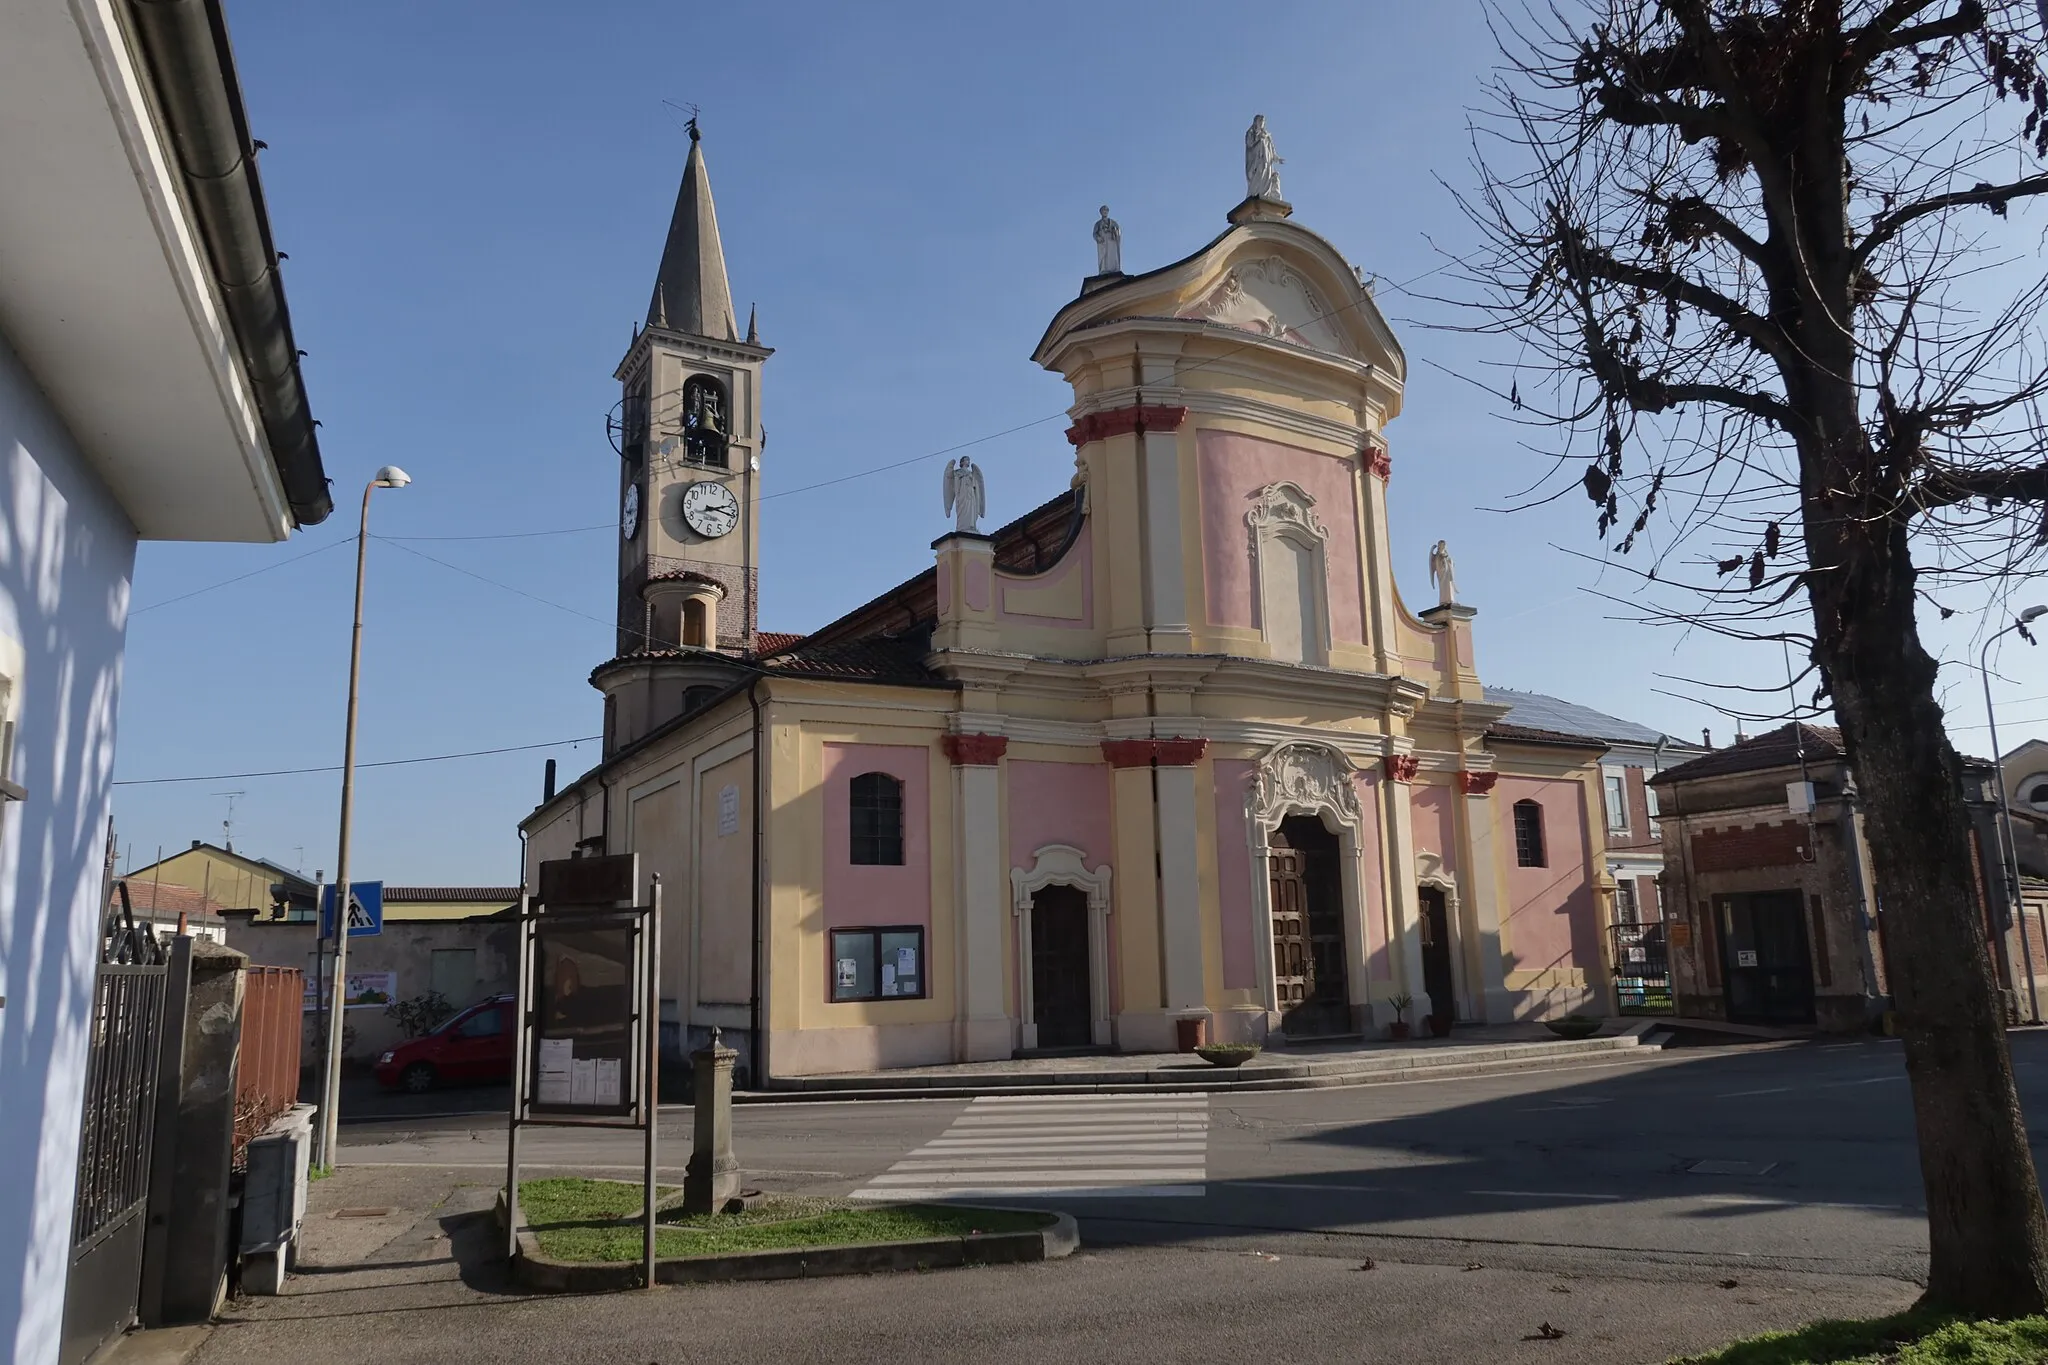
(1169, 747)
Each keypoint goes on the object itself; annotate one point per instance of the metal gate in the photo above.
(1642, 969)
(133, 992)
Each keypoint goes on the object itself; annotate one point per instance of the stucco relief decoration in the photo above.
(1477, 784)
(1403, 767)
(1380, 462)
(1305, 779)
(1283, 506)
(1270, 298)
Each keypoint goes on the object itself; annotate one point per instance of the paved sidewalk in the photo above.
(421, 1283)
(1471, 1051)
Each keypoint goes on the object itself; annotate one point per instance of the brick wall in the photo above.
(1732, 850)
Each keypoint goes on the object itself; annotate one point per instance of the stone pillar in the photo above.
(188, 1282)
(1180, 883)
(1480, 863)
(712, 1178)
(985, 1031)
(1141, 1023)
(1456, 669)
(1404, 904)
(967, 592)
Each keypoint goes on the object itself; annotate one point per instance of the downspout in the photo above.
(757, 1059)
(184, 45)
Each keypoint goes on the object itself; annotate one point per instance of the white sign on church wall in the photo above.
(728, 810)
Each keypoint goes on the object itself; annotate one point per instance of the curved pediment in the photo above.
(1266, 278)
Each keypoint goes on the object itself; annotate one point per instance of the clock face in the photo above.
(629, 513)
(710, 509)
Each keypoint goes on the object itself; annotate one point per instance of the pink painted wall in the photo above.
(1551, 919)
(1061, 803)
(857, 896)
(977, 588)
(1079, 559)
(1436, 829)
(1234, 468)
(1234, 873)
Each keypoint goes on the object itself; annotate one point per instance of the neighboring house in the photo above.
(1774, 915)
(237, 880)
(149, 390)
(460, 942)
(171, 908)
(1169, 748)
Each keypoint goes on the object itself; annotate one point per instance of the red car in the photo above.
(473, 1046)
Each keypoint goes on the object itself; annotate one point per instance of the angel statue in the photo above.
(1261, 166)
(965, 499)
(1442, 574)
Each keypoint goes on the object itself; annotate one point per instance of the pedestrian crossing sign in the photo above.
(365, 909)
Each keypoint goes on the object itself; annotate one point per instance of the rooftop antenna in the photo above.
(227, 826)
(690, 126)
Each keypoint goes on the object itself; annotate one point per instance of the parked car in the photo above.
(473, 1046)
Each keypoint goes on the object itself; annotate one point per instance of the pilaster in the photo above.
(1404, 903)
(1180, 888)
(1480, 863)
(966, 588)
(985, 1029)
(1142, 1024)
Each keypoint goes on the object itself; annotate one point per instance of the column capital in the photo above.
(975, 750)
(1168, 753)
(1477, 784)
(1379, 462)
(1100, 426)
(1403, 767)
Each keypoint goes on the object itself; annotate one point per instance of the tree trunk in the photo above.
(1988, 1242)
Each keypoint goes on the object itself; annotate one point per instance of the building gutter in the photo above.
(191, 68)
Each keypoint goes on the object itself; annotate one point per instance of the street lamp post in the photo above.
(390, 476)
(2009, 852)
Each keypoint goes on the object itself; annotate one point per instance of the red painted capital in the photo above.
(1169, 753)
(1100, 426)
(1403, 767)
(1477, 784)
(1127, 753)
(975, 751)
(1179, 753)
(1380, 462)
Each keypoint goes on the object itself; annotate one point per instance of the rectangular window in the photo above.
(875, 821)
(878, 964)
(1529, 834)
(1617, 802)
(1625, 911)
(1650, 802)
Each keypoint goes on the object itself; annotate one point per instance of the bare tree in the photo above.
(1751, 253)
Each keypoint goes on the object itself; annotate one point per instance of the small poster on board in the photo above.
(906, 962)
(557, 1055)
(849, 973)
(888, 978)
(1745, 957)
(728, 810)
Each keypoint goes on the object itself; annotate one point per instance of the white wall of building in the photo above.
(66, 555)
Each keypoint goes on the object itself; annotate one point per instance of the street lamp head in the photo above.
(391, 476)
(2031, 613)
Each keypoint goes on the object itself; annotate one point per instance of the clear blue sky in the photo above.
(474, 197)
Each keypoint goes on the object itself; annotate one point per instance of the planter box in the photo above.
(274, 1199)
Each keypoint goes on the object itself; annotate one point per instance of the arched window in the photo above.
(707, 420)
(693, 622)
(695, 697)
(1529, 835)
(875, 812)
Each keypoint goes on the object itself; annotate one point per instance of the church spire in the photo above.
(690, 292)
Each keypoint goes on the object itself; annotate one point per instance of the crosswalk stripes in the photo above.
(1093, 1146)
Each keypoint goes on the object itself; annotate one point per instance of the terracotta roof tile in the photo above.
(1773, 749)
(1529, 734)
(877, 659)
(169, 898)
(774, 641)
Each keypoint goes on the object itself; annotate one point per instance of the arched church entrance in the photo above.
(1308, 928)
(1438, 978)
(1062, 1005)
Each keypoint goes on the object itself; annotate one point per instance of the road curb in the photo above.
(1061, 1238)
(1420, 1064)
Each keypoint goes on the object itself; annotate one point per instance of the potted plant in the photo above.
(1399, 1004)
(1440, 1024)
(1227, 1054)
(1575, 1025)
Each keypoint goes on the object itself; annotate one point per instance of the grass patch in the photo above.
(599, 1220)
(1910, 1338)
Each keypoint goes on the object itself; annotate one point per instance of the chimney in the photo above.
(547, 784)
(197, 842)
(1706, 737)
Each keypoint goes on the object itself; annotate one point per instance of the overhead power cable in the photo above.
(336, 767)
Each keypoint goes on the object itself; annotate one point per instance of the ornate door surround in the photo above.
(1299, 777)
(1063, 865)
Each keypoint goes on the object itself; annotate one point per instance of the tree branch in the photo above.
(1594, 263)
(1946, 485)
(1995, 196)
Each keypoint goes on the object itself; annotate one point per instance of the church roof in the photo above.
(1533, 711)
(1779, 748)
(691, 293)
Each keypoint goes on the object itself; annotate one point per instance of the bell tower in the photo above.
(689, 440)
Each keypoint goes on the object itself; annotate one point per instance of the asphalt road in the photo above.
(1796, 1158)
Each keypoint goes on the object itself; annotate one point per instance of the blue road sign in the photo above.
(365, 909)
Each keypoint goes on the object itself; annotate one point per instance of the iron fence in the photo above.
(120, 1099)
(1642, 969)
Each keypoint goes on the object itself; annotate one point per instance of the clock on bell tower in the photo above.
(688, 433)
